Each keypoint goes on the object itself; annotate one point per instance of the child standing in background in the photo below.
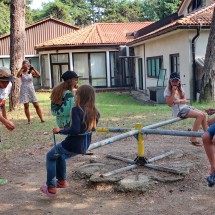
(62, 99)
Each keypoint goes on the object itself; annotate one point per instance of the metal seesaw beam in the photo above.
(173, 132)
(156, 125)
(112, 139)
(131, 133)
(113, 129)
(150, 130)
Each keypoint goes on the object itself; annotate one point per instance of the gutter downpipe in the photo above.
(145, 66)
(194, 61)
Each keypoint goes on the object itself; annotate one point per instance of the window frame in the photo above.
(90, 77)
(194, 5)
(174, 67)
(151, 61)
(140, 73)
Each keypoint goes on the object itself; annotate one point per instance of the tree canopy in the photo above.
(85, 12)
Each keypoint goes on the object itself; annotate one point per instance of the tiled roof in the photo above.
(201, 17)
(96, 34)
(46, 20)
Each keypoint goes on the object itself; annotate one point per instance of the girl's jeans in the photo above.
(56, 165)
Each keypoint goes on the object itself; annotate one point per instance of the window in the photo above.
(154, 64)
(114, 69)
(92, 68)
(195, 4)
(140, 71)
(98, 69)
(59, 65)
(174, 63)
(35, 62)
(5, 62)
(45, 77)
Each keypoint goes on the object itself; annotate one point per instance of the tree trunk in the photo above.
(17, 46)
(207, 86)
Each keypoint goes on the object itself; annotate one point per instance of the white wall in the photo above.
(139, 51)
(201, 43)
(177, 42)
(164, 46)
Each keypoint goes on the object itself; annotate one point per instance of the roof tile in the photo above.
(201, 17)
(99, 33)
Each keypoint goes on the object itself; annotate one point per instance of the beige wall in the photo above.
(165, 46)
(201, 43)
(178, 42)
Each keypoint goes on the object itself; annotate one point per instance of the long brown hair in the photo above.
(85, 99)
(58, 91)
(180, 91)
(26, 61)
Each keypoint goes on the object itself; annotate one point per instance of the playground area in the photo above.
(25, 171)
(167, 194)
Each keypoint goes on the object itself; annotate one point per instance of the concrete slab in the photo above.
(135, 183)
(88, 170)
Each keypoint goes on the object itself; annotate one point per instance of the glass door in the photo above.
(92, 68)
(98, 69)
(81, 67)
(57, 71)
(45, 71)
(59, 65)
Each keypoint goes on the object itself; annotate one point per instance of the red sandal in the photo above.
(44, 189)
(62, 184)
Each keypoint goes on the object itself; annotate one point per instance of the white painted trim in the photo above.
(4, 56)
(71, 61)
(40, 71)
(8, 56)
(49, 65)
(77, 51)
(108, 68)
(127, 50)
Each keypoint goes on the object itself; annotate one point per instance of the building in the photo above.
(93, 52)
(43, 30)
(174, 44)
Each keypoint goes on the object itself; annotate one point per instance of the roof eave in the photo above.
(165, 31)
(79, 46)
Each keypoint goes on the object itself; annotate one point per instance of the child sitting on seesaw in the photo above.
(84, 119)
(175, 98)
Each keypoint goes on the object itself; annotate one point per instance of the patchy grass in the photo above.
(116, 111)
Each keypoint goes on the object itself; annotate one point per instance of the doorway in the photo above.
(59, 65)
(57, 72)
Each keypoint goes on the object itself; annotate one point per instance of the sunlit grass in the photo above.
(117, 110)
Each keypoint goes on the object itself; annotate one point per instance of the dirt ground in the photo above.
(25, 171)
